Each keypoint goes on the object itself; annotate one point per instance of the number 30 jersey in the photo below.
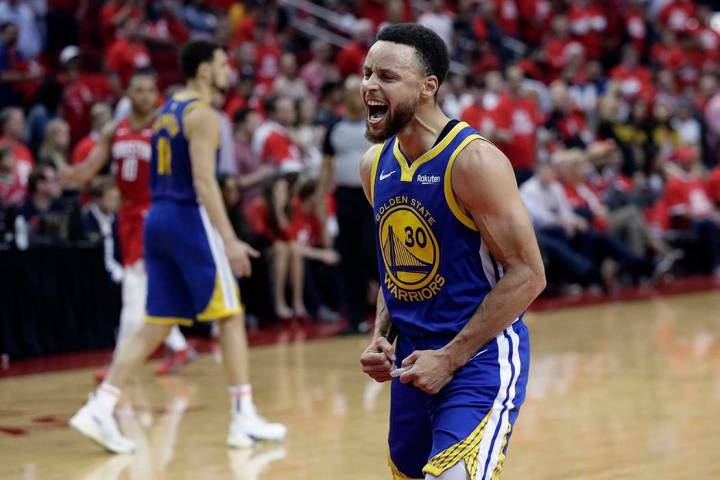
(171, 169)
(130, 153)
(435, 269)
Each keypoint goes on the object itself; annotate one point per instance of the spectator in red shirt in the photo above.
(492, 123)
(13, 178)
(535, 19)
(352, 56)
(559, 46)
(635, 80)
(311, 243)
(12, 127)
(114, 14)
(566, 119)
(18, 77)
(525, 118)
(269, 219)
(82, 89)
(636, 24)
(272, 141)
(506, 12)
(321, 69)
(588, 24)
(690, 208)
(100, 115)
(127, 53)
(678, 15)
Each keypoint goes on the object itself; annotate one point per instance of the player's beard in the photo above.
(396, 120)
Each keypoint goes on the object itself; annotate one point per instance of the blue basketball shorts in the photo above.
(470, 419)
(189, 276)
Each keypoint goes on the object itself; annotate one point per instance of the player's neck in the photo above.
(420, 134)
(138, 121)
(203, 90)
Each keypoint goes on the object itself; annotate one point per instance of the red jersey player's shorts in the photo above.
(130, 228)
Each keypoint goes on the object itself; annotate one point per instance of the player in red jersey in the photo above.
(127, 144)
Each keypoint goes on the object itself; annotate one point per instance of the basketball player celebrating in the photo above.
(459, 264)
(191, 252)
(127, 144)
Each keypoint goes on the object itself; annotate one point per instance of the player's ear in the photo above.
(430, 87)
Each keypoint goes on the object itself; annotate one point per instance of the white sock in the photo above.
(241, 398)
(106, 396)
(175, 340)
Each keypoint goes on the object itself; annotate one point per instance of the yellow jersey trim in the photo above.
(466, 450)
(185, 95)
(463, 217)
(373, 171)
(407, 170)
(186, 322)
(216, 308)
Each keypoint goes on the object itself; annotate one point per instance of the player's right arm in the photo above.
(378, 358)
(98, 158)
(202, 128)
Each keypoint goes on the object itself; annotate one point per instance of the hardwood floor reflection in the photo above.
(627, 390)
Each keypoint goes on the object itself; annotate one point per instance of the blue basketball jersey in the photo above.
(434, 268)
(171, 169)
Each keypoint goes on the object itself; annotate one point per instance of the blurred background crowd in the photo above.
(608, 111)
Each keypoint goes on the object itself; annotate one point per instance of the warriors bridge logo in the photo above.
(410, 250)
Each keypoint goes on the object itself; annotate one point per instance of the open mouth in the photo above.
(376, 111)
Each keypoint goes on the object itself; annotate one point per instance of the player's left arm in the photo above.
(485, 188)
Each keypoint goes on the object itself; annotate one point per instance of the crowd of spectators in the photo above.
(608, 111)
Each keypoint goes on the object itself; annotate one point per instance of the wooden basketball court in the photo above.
(625, 390)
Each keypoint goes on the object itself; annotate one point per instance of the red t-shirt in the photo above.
(304, 228)
(636, 28)
(485, 121)
(688, 196)
(634, 83)
(19, 150)
(536, 18)
(125, 57)
(258, 216)
(676, 13)
(524, 117)
(83, 148)
(78, 97)
(108, 12)
(351, 58)
(14, 188)
(588, 24)
(506, 12)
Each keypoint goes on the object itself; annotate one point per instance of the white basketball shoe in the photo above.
(99, 425)
(248, 427)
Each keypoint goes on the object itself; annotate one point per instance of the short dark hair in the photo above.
(241, 115)
(430, 48)
(194, 53)
(143, 72)
(37, 175)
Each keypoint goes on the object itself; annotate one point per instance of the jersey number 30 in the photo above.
(164, 156)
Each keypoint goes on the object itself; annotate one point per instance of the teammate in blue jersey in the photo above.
(191, 253)
(459, 264)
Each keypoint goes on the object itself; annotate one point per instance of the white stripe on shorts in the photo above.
(505, 417)
(507, 380)
(222, 265)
